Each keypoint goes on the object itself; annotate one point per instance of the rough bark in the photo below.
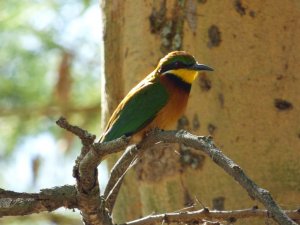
(85, 195)
(16, 204)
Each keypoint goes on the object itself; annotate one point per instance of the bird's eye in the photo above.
(177, 64)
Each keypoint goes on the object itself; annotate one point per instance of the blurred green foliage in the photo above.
(49, 66)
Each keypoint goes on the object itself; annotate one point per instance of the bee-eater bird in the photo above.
(158, 101)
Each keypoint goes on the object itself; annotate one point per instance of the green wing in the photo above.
(138, 110)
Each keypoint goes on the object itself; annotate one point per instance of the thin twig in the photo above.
(111, 191)
(189, 217)
(114, 191)
(85, 136)
(132, 152)
(206, 145)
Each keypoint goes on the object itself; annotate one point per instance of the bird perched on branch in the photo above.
(158, 101)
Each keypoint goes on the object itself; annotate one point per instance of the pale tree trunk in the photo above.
(250, 104)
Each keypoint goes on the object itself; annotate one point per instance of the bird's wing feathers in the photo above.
(136, 110)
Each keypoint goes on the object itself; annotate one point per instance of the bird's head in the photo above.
(182, 65)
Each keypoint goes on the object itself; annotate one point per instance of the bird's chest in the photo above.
(174, 109)
(167, 117)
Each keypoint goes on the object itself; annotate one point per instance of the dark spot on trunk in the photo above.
(218, 203)
(286, 66)
(157, 18)
(169, 28)
(196, 122)
(282, 104)
(221, 99)
(214, 36)
(279, 77)
(211, 128)
(204, 82)
(239, 7)
(126, 53)
(202, 1)
(183, 123)
(252, 13)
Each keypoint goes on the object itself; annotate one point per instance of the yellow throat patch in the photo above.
(186, 75)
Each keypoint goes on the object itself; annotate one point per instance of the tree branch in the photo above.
(195, 216)
(85, 171)
(86, 195)
(91, 205)
(85, 137)
(117, 174)
(15, 203)
(206, 145)
(88, 191)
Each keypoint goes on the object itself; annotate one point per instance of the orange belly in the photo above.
(167, 117)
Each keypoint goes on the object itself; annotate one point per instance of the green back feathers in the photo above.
(137, 111)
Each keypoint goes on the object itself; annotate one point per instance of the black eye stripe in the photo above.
(173, 65)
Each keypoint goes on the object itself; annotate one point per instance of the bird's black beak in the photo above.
(200, 67)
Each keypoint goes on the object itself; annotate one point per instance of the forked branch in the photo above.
(97, 210)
